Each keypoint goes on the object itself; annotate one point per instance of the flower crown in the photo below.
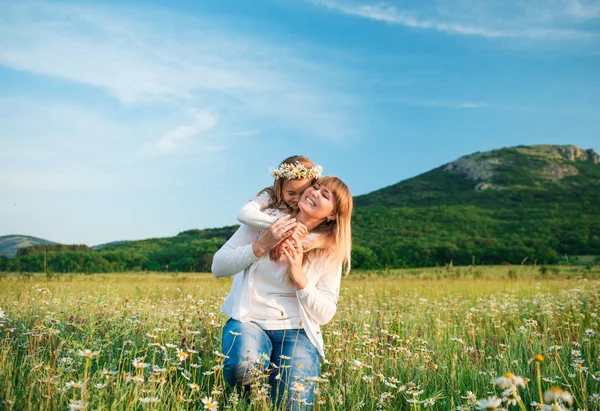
(296, 170)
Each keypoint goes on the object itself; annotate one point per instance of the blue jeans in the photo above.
(250, 353)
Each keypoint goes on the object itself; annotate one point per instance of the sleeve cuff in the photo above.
(250, 254)
(306, 290)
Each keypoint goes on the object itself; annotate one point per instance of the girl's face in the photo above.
(293, 189)
(318, 202)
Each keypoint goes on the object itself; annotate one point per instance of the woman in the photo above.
(276, 307)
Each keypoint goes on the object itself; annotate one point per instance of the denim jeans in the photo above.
(295, 357)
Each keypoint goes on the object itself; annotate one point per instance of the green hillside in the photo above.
(10, 244)
(190, 250)
(537, 204)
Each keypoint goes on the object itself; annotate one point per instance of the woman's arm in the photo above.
(236, 254)
(252, 212)
(320, 300)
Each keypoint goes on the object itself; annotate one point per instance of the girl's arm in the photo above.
(252, 212)
(247, 244)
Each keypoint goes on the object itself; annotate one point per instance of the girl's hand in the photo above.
(280, 229)
(300, 231)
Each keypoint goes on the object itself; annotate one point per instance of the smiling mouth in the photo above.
(309, 201)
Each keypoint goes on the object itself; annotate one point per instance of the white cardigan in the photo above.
(317, 301)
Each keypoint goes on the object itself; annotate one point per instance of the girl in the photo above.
(294, 175)
(276, 307)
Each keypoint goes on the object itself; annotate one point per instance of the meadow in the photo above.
(446, 338)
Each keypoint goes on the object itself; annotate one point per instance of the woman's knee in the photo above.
(247, 350)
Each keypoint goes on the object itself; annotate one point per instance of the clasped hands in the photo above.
(282, 239)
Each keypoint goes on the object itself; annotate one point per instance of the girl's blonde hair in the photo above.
(335, 241)
(276, 190)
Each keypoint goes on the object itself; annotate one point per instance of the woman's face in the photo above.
(318, 202)
(293, 189)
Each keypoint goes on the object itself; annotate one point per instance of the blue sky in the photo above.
(131, 120)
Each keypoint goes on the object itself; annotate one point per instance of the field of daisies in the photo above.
(466, 338)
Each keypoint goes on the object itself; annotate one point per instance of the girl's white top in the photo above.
(316, 303)
(255, 213)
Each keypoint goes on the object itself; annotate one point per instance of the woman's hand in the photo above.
(293, 252)
(280, 229)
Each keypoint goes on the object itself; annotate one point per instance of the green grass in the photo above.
(401, 339)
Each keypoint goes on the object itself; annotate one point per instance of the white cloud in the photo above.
(533, 20)
(145, 57)
(202, 122)
(456, 105)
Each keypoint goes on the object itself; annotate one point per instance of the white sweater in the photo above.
(317, 301)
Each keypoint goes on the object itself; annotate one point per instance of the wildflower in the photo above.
(194, 386)
(471, 398)
(557, 393)
(235, 334)
(595, 398)
(182, 355)
(219, 354)
(508, 379)
(298, 387)
(76, 405)
(73, 384)
(490, 403)
(209, 404)
(148, 400)
(554, 407)
(234, 398)
(537, 358)
(510, 395)
(429, 402)
(87, 353)
(138, 364)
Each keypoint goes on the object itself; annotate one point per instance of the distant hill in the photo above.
(536, 202)
(528, 203)
(112, 243)
(10, 244)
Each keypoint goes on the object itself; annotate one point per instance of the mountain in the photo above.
(528, 203)
(536, 202)
(10, 244)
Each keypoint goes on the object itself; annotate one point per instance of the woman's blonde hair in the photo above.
(276, 190)
(335, 241)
